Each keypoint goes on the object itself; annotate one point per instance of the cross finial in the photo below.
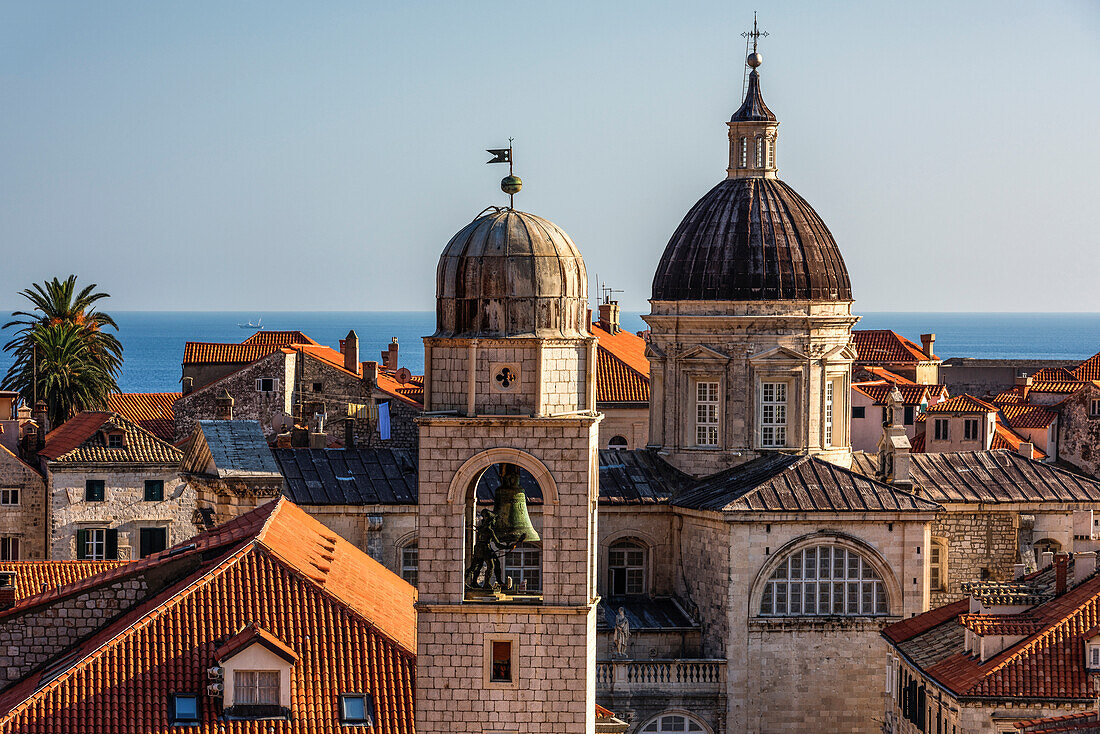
(755, 34)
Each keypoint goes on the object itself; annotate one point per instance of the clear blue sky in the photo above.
(318, 156)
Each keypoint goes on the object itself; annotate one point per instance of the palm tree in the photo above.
(62, 353)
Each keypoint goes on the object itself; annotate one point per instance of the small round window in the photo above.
(505, 377)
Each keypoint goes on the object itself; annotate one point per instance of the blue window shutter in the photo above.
(384, 421)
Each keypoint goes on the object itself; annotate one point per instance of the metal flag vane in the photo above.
(510, 184)
(752, 58)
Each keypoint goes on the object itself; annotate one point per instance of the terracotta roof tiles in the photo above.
(278, 338)
(153, 411)
(35, 577)
(884, 345)
(911, 394)
(216, 353)
(962, 404)
(1027, 416)
(1089, 369)
(81, 440)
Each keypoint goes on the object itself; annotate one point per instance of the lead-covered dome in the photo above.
(510, 273)
(751, 239)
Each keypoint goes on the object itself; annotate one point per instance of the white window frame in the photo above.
(827, 419)
(9, 496)
(771, 152)
(254, 688)
(260, 384)
(1094, 408)
(97, 537)
(759, 152)
(708, 396)
(631, 559)
(410, 571)
(744, 153)
(821, 573)
(524, 564)
(773, 414)
(1093, 657)
(673, 722)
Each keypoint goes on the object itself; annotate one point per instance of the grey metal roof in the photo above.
(349, 476)
(638, 477)
(990, 477)
(239, 448)
(644, 613)
(795, 483)
(753, 108)
(751, 239)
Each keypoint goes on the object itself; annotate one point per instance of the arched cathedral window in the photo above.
(617, 442)
(824, 580)
(771, 152)
(672, 723)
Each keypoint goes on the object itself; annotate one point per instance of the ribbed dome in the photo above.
(510, 273)
(751, 239)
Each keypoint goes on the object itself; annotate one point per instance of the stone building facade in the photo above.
(1079, 429)
(23, 529)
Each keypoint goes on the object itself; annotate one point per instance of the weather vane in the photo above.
(754, 34)
(510, 184)
(752, 58)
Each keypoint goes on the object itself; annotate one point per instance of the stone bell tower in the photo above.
(509, 382)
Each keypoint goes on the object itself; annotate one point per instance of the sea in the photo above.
(153, 340)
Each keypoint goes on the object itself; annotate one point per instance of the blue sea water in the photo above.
(153, 340)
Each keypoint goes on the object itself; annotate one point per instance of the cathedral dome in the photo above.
(751, 239)
(510, 273)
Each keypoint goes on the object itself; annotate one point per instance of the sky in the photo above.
(273, 155)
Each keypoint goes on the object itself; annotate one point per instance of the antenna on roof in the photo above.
(606, 291)
(751, 37)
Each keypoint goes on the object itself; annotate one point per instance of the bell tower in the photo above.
(506, 625)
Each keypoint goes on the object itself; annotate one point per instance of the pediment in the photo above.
(776, 355)
(843, 353)
(703, 353)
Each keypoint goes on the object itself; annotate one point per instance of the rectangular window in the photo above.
(96, 544)
(357, 708)
(827, 426)
(95, 490)
(970, 429)
(941, 429)
(185, 709)
(910, 415)
(524, 566)
(626, 570)
(1094, 408)
(318, 387)
(154, 490)
(152, 540)
(859, 412)
(1094, 656)
(773, 415)
(744, 153)
(255, 688)
(760, 152)
(410, 563)
(935, 566)
(265, 384)
(9, 496)
(706, 414)
(9, 548)
(502, 662)
(114, 440)
(771, 153)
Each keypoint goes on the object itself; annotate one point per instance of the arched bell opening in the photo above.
(503, 544)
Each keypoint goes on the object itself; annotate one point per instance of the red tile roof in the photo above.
(1053, 374)
(962, 404)
(1027, 416)
(1005, 438)
(884, 374)
(911, 394)
(78, 440)
(34, 577)
(884, 345)
(622, 369)
(1089, 369)
(350, 620)
(278, 338)
(907, 629)
(215, 353)
(1086, 722)
(250, 635)
(153, 411)
(411, 391)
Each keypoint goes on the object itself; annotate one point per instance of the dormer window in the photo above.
(1092, 655)
(257, 669)
(185, 709)
(114, 441)
(941, 429)
(256, 688)
(356, 709)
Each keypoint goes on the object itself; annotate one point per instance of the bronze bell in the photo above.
(512, 524)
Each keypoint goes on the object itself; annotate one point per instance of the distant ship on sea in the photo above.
(254, 326)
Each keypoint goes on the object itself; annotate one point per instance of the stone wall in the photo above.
(626, 420)
(977, 540)
(30, 639)
(703, 581)
(650, 526)
(124, 507)
(1079, 432)
(271, 409)
(26, 520)
(380, 531)
(980, 377)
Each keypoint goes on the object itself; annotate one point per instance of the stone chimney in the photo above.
(1061, 568)
(223, 406)
(1084, 565)
(370, 373)
(349, 347)
(1024, 383)
(894, 446)
(389, 357)
(609, 317)
(188, 385)
(42, 420)
(1019, 570)
(927, 341)
(1027, 449)
(1045, 559)
(7, 590)
(349, 433)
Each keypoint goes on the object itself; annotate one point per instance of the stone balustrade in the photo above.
(630, 676)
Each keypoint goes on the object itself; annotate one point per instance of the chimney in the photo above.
(42, 420)
(1084, 565)
(1024, 383)
(1019, 570)
(188, 385)
(7, 590)
(223, 406)
(1027, 449)
(588, 320)
(349, 347)
(927, 341)
(389, 357)
(370, 373)
(349, 434)
(1045, 559)
(1061, 566)
(609, 316)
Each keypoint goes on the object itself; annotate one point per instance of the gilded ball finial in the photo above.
(511, 184)
(755, 59)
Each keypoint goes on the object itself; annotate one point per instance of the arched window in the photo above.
(410, 562)
(744, 152)
(824, 580)
(771, 152)
(626, 569)
(1047, 545)
(672, 723)
(617, 442)
(524, 565)
(759, 151)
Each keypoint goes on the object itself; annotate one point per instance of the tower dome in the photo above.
(511, 273)
(751, 237)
